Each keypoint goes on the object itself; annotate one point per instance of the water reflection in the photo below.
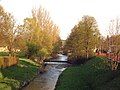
(60, 58)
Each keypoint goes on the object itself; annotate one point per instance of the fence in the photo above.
(113, 59)
(8, 61)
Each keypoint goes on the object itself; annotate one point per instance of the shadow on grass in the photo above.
(93, 75)
(24, 71)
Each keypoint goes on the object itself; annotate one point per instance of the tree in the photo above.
(111, 44)
(7, 30)
(83, 38)
(49, 30)
(57, 47)
(114, 36)
(41, 31)
(21, 38)
(32, 50)
(91, 34)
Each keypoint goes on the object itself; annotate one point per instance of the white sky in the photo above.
(67, 13)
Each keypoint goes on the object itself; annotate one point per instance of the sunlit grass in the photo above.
(30, 61)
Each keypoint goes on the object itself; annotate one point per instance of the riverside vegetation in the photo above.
(91, 72)
(16, 76)
(95, 74)
(38, 39)
(32, 42)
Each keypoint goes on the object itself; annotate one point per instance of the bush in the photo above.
(78, 60)
(4, 86)
(14, 84)
(4, 54)
(93, 75)
(32, 49)
(43, 53)
(15, 76)
(21, 54)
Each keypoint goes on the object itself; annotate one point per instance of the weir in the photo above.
(48, 79)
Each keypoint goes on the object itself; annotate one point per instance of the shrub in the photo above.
(4, 86)
(4, 53)
(21, 54)
(32, 49)
(43, 53)
(78, 60)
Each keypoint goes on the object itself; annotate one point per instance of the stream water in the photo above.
(48, 79)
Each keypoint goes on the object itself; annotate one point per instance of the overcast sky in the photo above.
(67, 13)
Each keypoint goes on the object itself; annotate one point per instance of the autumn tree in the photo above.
(21, 38)
(57, 47)
(114, 36)
(103, 45)
(8, 32)
(113, 44)
(41, 31)
(84, 38)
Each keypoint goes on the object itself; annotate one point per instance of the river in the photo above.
(48, 79)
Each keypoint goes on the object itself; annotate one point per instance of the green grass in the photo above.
(94, 75)
(14, 76)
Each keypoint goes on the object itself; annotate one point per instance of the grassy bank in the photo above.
(94, 75)
(15, 76)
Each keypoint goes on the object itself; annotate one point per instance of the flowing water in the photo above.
(48, 79)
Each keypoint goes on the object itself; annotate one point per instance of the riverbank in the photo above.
(17, 76)
(48, 79)
(94, 75)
